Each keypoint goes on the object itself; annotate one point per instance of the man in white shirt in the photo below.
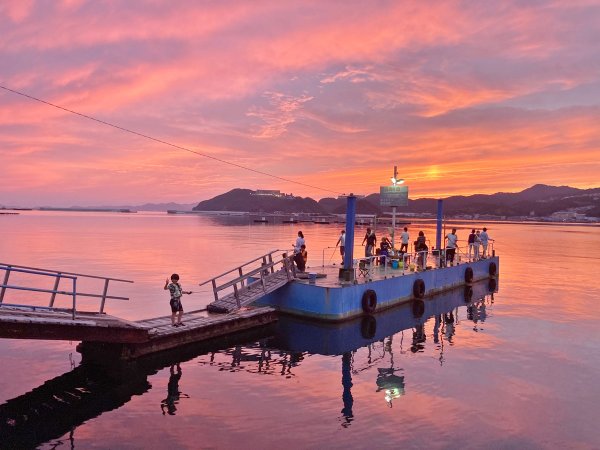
(484, 238)
(404, 240)
(451, 246)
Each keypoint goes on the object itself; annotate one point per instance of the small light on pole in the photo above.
(395, 180)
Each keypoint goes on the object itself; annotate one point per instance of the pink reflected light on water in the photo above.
(518, 370)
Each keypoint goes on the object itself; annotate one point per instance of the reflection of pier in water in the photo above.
(296, 339)
(60, 405)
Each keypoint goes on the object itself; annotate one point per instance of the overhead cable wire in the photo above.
(179, 147)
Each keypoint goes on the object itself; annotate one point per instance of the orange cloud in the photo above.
(303, 90)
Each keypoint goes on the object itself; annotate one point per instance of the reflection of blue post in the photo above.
(347, 384)
(438, 236)
(348, 272)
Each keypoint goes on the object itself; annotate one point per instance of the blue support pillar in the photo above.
(438, 236)
(348, 272)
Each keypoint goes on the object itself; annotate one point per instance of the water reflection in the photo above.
(347, 399)
(368, 346)
(61, 404)
(387, 380)
(169, 404)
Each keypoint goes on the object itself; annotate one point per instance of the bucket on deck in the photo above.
(312, 277)
(394, 263)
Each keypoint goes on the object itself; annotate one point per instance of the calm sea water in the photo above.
(518, 369)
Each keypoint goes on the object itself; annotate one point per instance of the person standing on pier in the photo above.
(299, 243)
(484, 238)
(342, 243)
(451, 247)
(471, 243)
(404, 238)
(176, 292)
(371, 240)
(421, 248)
(477, 245)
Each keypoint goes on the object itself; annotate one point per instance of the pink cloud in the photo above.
(310, 82)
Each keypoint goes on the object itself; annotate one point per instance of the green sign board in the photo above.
(393, 196)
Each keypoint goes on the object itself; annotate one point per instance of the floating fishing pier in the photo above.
(58, 405)
(247, 297)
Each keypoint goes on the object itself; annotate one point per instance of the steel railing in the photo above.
(58, 276)
(250, 272)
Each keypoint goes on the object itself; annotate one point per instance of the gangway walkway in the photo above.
(250, 282)
(105, 334)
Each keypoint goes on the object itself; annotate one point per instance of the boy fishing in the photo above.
(176, 307)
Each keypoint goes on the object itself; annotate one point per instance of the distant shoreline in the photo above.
(401, 219)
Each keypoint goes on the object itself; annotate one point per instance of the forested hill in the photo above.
(539, 200)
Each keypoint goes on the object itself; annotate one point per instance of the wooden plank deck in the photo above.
(162, 336)
(22, 322)
(250, 293)
(130, 339)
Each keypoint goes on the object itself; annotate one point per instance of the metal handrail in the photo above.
(266, 268)
(58, 275)
(239, 267)
(37, 272)
(66, 273)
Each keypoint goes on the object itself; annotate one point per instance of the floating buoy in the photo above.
(419, 288)
(492, 269)
(418, 308)
(368, 327)
(468, 275)
(369, 301)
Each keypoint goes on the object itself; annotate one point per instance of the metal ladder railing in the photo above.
(248, 270)
(58, 276)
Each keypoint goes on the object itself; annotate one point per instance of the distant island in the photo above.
(539, 203)
(556, 203)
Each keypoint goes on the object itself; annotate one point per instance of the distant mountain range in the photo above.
(537, 201)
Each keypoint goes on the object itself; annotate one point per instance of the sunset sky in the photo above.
(464, 97)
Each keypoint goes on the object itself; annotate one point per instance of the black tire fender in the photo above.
(369, 301)
(493, 269)
(492, 285)
(419, 288)
(469, 275)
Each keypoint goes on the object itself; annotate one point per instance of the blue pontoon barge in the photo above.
(364, 287)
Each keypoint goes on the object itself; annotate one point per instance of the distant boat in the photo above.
(290, 220)
(261, 220)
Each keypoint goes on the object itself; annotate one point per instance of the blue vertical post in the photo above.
(350, 219)
(347, 272)
(438, 236)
